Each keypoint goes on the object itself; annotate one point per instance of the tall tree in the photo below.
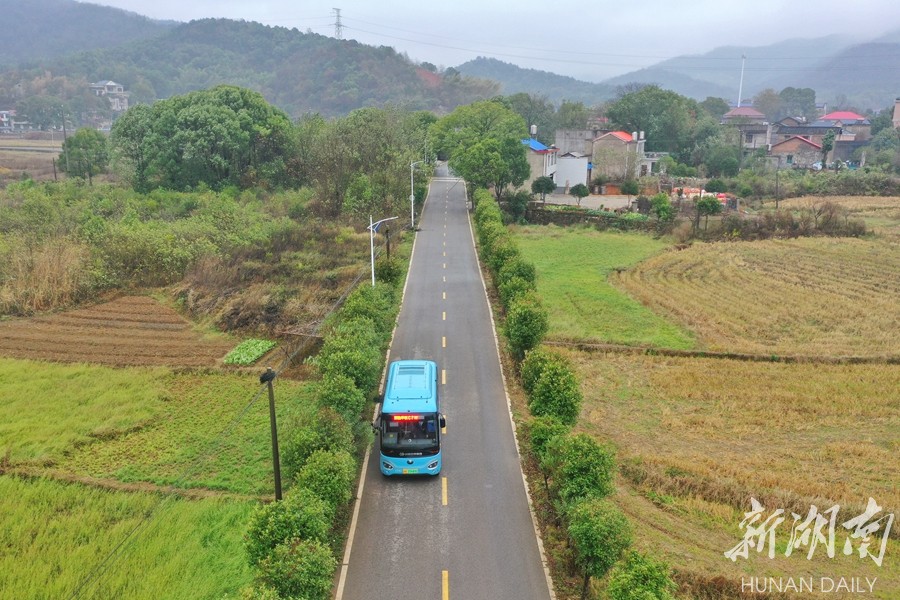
(84, 154)
(483, 143)
(769, 103)
(669, 120)
(798, 102)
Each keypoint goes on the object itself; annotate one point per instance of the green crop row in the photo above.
(248, 352)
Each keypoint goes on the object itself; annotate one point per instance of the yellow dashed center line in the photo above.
(444, 316)
(445, 585)
(443, 376)
(444, 491)
(445, 279)
(444, 295)
(445, 254)
(443, 341)
(445, 265)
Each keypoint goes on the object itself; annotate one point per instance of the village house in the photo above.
(541, 159)
(619, 155)
(797, 152)
(114, 92)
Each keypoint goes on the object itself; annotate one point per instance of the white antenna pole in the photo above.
(741, 88)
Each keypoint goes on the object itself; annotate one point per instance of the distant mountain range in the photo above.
(865, 75)
(303, 72)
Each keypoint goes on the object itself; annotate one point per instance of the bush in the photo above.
(640, 577)
(542, 430)
(388, 271)
(340, 393)
(500, 251)
(526, 324)
(324, 430)
(580, 469)
(512, 289)
(301, 514)
(556, 393)
(299, 569)
(600, 533)
(533, 366)
(518, 267)
(362, 365)
(330, 475)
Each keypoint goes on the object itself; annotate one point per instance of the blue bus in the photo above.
(410, 422)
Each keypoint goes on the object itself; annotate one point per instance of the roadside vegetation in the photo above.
(270, 247)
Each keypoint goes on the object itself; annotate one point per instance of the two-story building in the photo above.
(541, 159)
(114, 92)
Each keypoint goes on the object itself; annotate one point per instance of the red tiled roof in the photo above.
(843, 115)
(621, 135)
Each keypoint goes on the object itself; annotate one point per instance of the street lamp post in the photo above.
(373, 227)
(412, 196)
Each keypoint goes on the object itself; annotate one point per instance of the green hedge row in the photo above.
(526, 320)
(290, 543)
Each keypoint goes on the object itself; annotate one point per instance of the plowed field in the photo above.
(129, 331)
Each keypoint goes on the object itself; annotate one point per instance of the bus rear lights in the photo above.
(433, 464)
(387, 466)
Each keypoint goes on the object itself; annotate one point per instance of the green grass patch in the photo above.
(48, 408)
(54, 535)
(142, 425)
(573, 265)
(248, 352)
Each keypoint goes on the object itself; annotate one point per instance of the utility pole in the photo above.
(338, 26)
(267, 378)
(741, 88)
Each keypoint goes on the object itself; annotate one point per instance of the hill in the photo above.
(299, 72)
(51, 28)
(514, 79)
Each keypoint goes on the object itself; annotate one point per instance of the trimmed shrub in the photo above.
(600, 533)
(517, 267)
(512, 289)
(500, 251)
(340, 393)
(299, 569)
(542, 430)
(374, 303)
(325, 430)
(330, 475)
(527, 322)
(301, 514)
(362, 365)
(556, 393)
(640, 577)
(579, 468)
(533, 366)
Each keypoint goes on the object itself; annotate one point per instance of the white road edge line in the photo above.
(534, 523)
(345, 564)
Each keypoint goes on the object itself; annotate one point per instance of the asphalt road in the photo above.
(466, 534)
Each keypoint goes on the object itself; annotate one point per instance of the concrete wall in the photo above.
(571, 171)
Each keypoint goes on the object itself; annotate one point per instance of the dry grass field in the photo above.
(697, 438)
(880, 213)
(16, 162)
(808, 296)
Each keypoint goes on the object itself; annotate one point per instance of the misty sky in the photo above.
(589, 40)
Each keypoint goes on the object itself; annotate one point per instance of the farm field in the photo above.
(697, 438)
(880, 213)
(54, 534)
(573, 266)
(15, 161)
(86, 448)
(807, 296)
(114, 426)
(810, 435)
(132, 330)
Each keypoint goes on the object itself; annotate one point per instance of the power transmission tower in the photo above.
(338, 26)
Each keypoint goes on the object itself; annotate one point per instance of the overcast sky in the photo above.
(589, 40)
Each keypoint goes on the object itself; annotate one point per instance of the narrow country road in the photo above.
(466, 534)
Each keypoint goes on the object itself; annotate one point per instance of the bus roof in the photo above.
(411, 387)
